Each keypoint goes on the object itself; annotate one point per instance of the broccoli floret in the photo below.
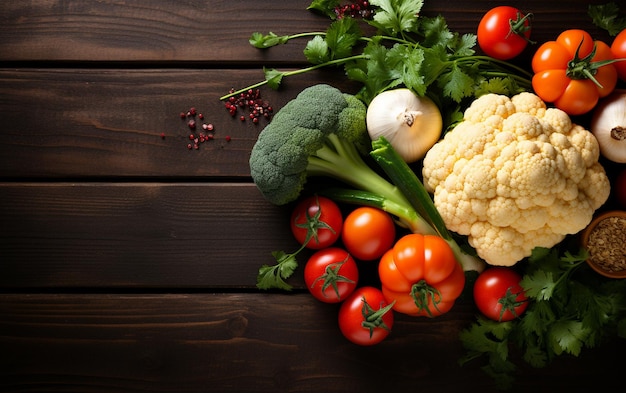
(321, 132)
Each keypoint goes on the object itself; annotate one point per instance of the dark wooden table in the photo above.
(128, 262)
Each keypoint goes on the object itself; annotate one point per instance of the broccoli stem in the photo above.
(341, 160)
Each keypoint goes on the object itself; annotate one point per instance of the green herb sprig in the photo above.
(408, 49)
(606, 16)
(570, 308)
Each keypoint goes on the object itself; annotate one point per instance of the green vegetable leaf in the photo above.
(435, 31)
(325, 7)
(491, 338)
(396, 16)
(316, 50)
(341, 37)
(377, 74)
(606, 16)
(568, 336)
(539, 285)
(261, 41)
(273, 77)
(535, 356)
(457, 84)
(274, 276)
(404, 63)
(494, 85)
(464, 45)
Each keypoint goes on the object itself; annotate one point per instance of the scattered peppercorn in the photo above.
(250, 100)
(355, 9)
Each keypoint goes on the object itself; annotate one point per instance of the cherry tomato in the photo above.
(365, 317)
(316, 222)
(499, 295)
(504, 32)
(563, 67)
(331, 275)
(368, 232)
(618, 48)
(421, 274)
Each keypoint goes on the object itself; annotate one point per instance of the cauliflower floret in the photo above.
(515, 175)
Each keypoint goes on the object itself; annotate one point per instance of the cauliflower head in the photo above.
(515, 175)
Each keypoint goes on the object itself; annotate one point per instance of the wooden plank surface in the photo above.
(134, 235)
(213, 31)
(244, 342)
(108, 123)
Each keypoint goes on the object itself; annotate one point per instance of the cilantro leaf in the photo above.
(539, 285)
(316, 50)
(261, 41)
(605, 16)
(494, 85)
(568, 336)
(405, 63)
(325, 7)
(274, 276)
(395, 17)
(535, 356)
(273, 77)
(464, 45)
(457, 84)
(341, 37)
(490, 338)
(435, 31)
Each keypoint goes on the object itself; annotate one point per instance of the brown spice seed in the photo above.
(607, 244)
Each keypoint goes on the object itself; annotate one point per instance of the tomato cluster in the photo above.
(418, 274)
(573, 72)
(331, 273)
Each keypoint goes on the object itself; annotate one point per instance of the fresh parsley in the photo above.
(570, 309)
(606, 16)
(408, 50)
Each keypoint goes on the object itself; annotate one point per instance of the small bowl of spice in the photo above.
(605, 240)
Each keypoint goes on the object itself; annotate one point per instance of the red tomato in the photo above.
(564, 70)
(499, 295)
(316, 222)
(365, 317)
(331, 275)
(421, 274)
(368, 232)
(504, 32)
(618, 48)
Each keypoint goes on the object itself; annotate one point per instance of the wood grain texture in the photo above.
(134, 235)
(80, 123)
(211, 32)
(243, 342)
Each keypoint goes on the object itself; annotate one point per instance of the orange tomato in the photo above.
(571, 71)
(421, 274)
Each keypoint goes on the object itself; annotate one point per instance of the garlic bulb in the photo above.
(410, 123)
(608, 124)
